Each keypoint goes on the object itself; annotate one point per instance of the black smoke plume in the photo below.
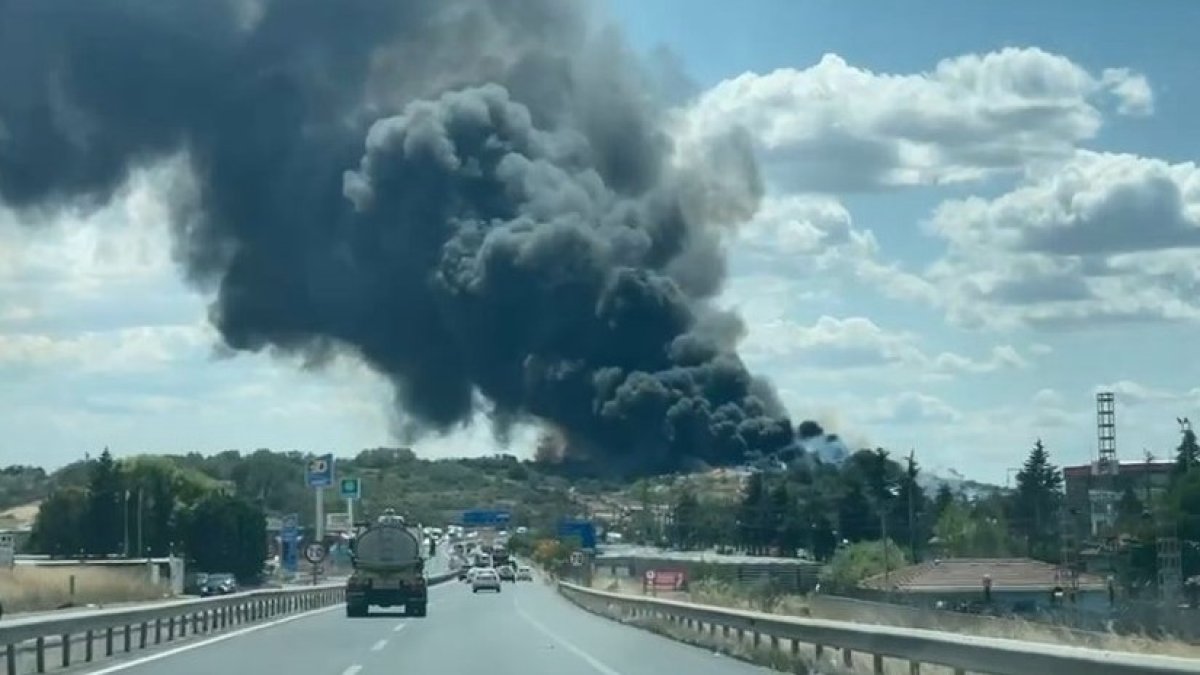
(482, 200)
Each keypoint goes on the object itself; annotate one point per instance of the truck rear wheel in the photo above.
(415, 609)
(356, 610)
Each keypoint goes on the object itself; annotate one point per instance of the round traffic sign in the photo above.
(314, 553)
(649, 575)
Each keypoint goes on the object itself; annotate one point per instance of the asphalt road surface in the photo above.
(527, 629)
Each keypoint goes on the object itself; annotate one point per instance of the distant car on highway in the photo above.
(485, 579)
(506, 573)
(222, 583)
(524, 573)
(198, 584)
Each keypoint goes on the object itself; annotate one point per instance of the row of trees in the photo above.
(147, 506)
(818, 507)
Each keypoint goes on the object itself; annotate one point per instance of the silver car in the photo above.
(485, 579)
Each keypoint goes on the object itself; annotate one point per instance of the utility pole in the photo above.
(141, 549)
(884, 508)
(887, 558)
(125, 521)
(912, 490)
(1146, 474)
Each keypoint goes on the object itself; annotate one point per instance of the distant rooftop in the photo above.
(966, 574)
(1156, 463)
(614, 551)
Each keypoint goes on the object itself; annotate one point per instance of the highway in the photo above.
(525, 630)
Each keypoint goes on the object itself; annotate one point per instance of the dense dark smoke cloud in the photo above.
(480, 199)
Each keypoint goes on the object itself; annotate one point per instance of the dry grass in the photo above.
(724, 595)
(31, 589)
(782, 656)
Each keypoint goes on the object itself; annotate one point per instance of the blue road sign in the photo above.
(289, 543)
(485, 517)
(319, 472)
(583, 529)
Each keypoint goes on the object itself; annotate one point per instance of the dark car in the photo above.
(222, 583)
(198, 584)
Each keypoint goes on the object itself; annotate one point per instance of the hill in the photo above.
(432, 491)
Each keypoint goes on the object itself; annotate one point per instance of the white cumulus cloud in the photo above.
(1103, 237)
(835, 127)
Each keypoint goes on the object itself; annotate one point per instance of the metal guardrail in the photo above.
(106, 632)
(963, 653)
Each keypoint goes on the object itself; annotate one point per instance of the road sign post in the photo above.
(319, 475)
(351, 491)
(8, 550)
(315, 553)
(289, 539)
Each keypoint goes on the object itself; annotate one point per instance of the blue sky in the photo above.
(978, 214)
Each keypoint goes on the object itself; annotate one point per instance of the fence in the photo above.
(33, 644)
(796, 576)
(1138, 618)
(917, 647)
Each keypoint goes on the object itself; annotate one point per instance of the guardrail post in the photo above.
(157, 631)
(128, 636)
(914, 668)
(10, 658)
(65, 646)
(143, 633)
(877, 662)
(40, 646)
(87, 645)
(847, 658)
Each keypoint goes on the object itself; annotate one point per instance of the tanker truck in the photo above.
(388, 568)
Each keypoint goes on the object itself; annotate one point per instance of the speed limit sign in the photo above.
(314, 553)
(649, 575)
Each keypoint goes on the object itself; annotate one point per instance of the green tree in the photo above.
(856, 517)
(855, 562)
(685, 519)
(152, 487)
(1187, 455)
(910, 522)
(60, 527)
(963, 533)
(752, 523)
(794, 526)
(224, 533)
(106, 507)
(1035, 506)
(824, 541)
(944, 498)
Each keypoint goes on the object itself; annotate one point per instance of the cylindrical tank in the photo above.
(386, 545)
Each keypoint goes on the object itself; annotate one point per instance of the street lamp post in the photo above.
(884, 510)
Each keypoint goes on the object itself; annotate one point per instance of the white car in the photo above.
(485, 579)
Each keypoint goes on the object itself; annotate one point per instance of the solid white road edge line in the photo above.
(125, 665)
(592, 661)
(379, 645)
(208, 641)
(352, 670)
